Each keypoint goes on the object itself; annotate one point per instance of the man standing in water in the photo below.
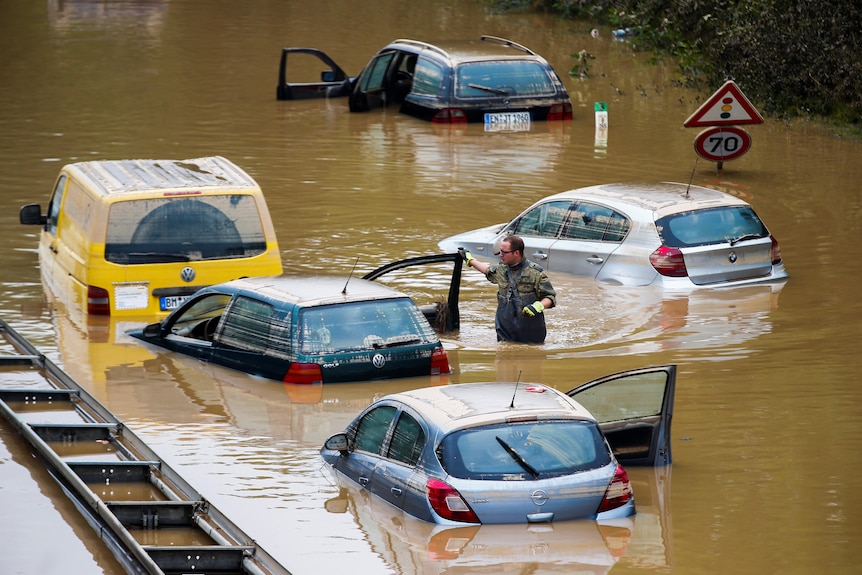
(524, 292)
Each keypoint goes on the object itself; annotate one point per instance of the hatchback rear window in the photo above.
(505, 78)
(162, 230)
(524, 451)
(704, 227)
(363, 326)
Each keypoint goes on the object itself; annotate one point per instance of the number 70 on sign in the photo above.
(723, 143)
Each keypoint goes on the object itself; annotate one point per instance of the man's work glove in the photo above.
(534, 309)
(467, 256)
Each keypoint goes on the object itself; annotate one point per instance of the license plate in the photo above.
(168, 303)
(507, 121)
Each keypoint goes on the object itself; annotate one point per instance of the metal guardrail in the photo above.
(97, 450)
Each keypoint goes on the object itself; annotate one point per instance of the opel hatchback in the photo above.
(509, 452)
(304, 330)
(492, 80)
(665, 234)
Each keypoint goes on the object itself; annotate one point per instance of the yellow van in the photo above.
(136, 237)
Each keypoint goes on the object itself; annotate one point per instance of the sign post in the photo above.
(726, 108)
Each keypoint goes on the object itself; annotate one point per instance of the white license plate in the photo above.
(172, 302)
(507, 121)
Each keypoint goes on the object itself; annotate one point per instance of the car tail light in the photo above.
(618, 493)
(448, 503)
(668, 262)
(439, 361)
(306, 373)
(560, 112)
(450, 116)
(776, 251)
(98, 301)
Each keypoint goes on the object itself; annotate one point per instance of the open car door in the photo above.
(332, 83)
(634, 410)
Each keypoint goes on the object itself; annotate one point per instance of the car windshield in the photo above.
(524, 451)
(503, 78)
(363, 326)
(175, 229)
(703, 227)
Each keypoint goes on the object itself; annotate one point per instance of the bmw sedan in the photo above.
(491, 80)
(509, 452)
(666, 234)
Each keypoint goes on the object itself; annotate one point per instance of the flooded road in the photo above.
(766, 471)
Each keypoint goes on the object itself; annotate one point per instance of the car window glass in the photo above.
(246, 325)
(523, 451)
(407, 441)
(161, 230)
(544, 220)
(633, 396)
(54, 206)
(703, 227)
(510, 77)
(427, 78)
(372, 429)
(593, 222)
(363, 326)
(373, 78)
(201, 309)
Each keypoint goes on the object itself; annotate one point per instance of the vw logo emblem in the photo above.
(378, 360)
(539, 497)
(731, 257)
(188, 274)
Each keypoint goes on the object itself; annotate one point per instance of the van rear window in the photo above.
(161, 230)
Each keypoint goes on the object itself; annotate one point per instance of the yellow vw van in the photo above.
(136, 237)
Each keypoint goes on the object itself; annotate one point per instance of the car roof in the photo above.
(309, 291)
(460, 51)
(657, 198)
(456, 406)
(114, 177)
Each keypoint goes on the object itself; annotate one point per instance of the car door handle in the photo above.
(363, 481)
(396, 492)
(540, 256)
(596, 260)
(53, 248)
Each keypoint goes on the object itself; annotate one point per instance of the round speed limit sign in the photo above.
(721, 144)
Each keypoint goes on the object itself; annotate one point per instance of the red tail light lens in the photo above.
(619, 492)
(98, 301)
(439, 361)
(306, 373)
(668, 262)
(448, 503)
(450, 116)
(560, 112)
(776, 251)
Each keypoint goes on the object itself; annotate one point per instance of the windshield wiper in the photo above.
(157, 257)
(397, 340)
(517, 457)
(489, 89)
(744, 237)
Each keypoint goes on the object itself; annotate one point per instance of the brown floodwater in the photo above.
(766, 430)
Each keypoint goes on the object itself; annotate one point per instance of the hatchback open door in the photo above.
(634, 409)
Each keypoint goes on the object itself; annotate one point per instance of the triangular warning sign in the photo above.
(726, 107)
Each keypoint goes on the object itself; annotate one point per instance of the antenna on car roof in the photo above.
(344, 291)
(690, 178)
(512, 404)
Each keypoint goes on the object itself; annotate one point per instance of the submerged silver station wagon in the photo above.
(665, 234)
(508, 452)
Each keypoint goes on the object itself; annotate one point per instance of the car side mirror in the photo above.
(153, 330)
(327, 76)
(31, 215)
(338, 442)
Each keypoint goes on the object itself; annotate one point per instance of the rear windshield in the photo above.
(161, 230)
(503, 78)
(704, 227)
(524, 451)
(363, 326)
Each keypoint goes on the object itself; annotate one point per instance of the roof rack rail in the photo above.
(507, 42)
(423, 45)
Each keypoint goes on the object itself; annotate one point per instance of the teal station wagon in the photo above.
(304, 330)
